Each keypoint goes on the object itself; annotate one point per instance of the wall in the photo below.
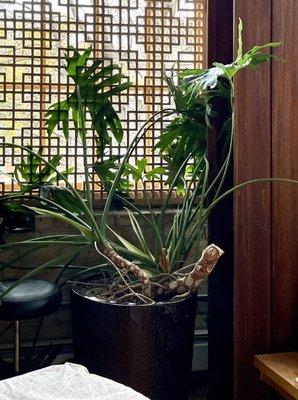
(265, 216)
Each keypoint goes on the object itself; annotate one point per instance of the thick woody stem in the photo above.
(163, 260)
(122, 263)
(200, 272)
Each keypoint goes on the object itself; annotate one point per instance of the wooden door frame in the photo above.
(220, 226)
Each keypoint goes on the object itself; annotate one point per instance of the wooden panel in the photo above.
(285, 164)
(220, 31)
(252, 206)
(220, 229)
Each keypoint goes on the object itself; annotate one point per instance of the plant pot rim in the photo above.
(154, 304)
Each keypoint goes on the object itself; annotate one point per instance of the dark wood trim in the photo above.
(220, 31)
(220, 227)
(285, 164)
(252, 205)
(265, 217)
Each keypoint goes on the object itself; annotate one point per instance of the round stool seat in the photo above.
(32, 298)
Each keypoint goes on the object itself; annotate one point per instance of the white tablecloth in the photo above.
(64, 382)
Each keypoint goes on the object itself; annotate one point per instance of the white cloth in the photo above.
(64, 382)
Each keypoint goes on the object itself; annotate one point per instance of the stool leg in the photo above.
(17, 346)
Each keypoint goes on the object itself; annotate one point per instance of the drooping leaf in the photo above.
(86, 232)
(112, 120)
(210, 78)
(58, 112)
(66, 199)
(97, 84)
(35, 271)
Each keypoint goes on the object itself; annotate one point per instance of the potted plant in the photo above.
(133, 318)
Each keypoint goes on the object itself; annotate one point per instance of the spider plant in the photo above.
(158, 269)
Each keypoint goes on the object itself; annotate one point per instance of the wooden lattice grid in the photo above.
(144, 37)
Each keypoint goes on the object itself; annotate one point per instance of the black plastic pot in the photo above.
(146, 347)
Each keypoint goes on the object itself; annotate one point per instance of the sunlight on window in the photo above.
(145, 37)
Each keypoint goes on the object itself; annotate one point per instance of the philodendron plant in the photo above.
(143, 273)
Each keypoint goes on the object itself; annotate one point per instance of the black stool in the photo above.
(32, 298)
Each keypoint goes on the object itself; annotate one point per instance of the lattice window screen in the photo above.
(145, 37)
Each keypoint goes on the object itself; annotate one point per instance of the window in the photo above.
(144, 37)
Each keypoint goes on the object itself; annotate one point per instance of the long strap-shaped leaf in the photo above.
(46, 240)
(49, 202)
(139, 234)
(145, 127)
(65, 266)
(185, 214)
(133, 250)
(146, 266)
(69, 185)
(36, 271)
(86, 232)
(20, 256)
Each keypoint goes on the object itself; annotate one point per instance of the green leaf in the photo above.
(112, 120)
(112, 80)
(76, 63)
(191, 72)
(170, 133)
(106, 71)
(91, 81)
(155, 173)
(91, 70)
(139, 234)
(197, 80)
(47, 170)
(65, 122)
(134, 172)
(107, 170)
(58, 112)
(141, 164)
(240, 41)
(116, 90)
(32, 174)
(35, 271)
(65, 198)
(114, 124)
(86, 232)
(134, 251)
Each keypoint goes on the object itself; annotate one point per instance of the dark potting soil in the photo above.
(104, 288)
